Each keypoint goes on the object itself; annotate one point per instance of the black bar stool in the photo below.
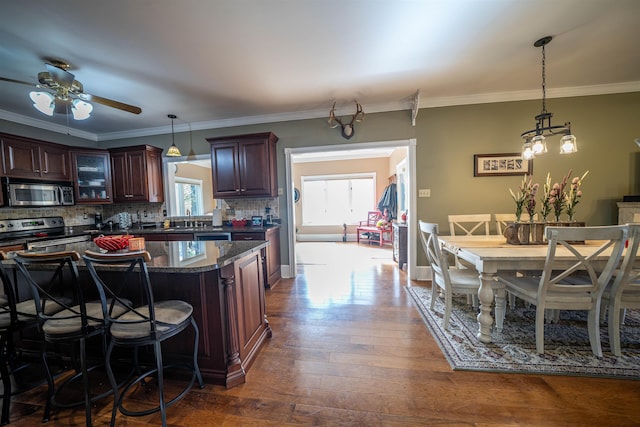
(147, 323)
(53, 278)
(15, 317)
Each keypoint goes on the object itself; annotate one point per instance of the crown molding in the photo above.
(42, 124)
(405, 104)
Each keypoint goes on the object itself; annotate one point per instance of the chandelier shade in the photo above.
(535, 139)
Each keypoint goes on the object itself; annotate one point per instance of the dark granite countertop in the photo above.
(91, 230)
(177, 229)
(181, 256)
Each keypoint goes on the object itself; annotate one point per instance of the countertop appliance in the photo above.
(38, 232)
(37, 193)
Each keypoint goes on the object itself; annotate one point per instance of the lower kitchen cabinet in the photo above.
(272, 258)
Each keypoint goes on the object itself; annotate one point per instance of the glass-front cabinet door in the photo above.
(93, 177)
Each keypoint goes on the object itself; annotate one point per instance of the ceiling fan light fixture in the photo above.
(43, 102)
(81, 110)
(173, 151)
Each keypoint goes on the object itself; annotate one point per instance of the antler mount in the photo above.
(347, 128)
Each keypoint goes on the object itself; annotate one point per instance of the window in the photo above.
(337, 199)
(188, 196)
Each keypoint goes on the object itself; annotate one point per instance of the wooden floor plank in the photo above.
(350, 349)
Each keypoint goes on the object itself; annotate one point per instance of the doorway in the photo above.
(293, 155)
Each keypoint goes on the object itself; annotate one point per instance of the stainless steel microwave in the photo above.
(25, 193)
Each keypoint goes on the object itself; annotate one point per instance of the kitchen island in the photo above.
(223, 281)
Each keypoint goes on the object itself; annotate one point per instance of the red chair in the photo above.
(370, 231)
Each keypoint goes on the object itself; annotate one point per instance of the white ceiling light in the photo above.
(81, 109)
(46, 104)
(43, 102)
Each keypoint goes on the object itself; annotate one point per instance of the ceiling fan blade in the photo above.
(6, 79)
(110, 103)
(60, 76)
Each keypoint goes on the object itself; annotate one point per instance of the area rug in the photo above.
(567, 348)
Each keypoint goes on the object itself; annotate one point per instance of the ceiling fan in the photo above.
(65, 94)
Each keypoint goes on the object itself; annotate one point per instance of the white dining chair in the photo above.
(445, 279)
(624, 293)
(577, 287)
(467, 225)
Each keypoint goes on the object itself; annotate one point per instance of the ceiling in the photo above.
(233, 62)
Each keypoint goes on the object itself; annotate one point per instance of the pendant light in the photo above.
(173, 151)
(535, 139)
(192, 154)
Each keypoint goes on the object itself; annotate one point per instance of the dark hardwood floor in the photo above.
(349, 348)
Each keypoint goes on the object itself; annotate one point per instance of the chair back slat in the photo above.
(124, 281)
(57, 283)
(431, 246)
(468, 224)
(567, 270)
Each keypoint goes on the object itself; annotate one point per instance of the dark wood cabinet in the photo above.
(400, 244)
(244, 165)
(92, 172)
(137, 174)
(272, 264)
(28, 158)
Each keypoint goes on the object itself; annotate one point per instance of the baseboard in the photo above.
(285, 270)
(423, 273)
(324, 237)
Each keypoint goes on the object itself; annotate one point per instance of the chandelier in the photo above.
(535, 139)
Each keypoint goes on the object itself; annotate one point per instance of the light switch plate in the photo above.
(424, 192)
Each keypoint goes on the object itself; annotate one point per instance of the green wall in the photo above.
(448, 137)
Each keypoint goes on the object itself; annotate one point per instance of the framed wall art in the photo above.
(502, 164)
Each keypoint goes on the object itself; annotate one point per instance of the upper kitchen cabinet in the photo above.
(92, 171)
(244, 165)
(137, 174)
(28, 158)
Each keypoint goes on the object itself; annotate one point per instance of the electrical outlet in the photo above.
(424, 192)
(280, 192)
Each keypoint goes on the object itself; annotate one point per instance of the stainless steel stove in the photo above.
(37, 232)
(31, 227)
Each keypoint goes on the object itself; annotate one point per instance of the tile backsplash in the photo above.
(79, 215)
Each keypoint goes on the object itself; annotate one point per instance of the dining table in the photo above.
(492, 256)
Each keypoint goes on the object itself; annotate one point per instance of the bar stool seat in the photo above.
(145, 323)
(169, 315)
(64, 322)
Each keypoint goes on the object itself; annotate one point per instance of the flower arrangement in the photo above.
(522, 196)
(574, 195)
(559, 197)
(546, 200)
(532, 191)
